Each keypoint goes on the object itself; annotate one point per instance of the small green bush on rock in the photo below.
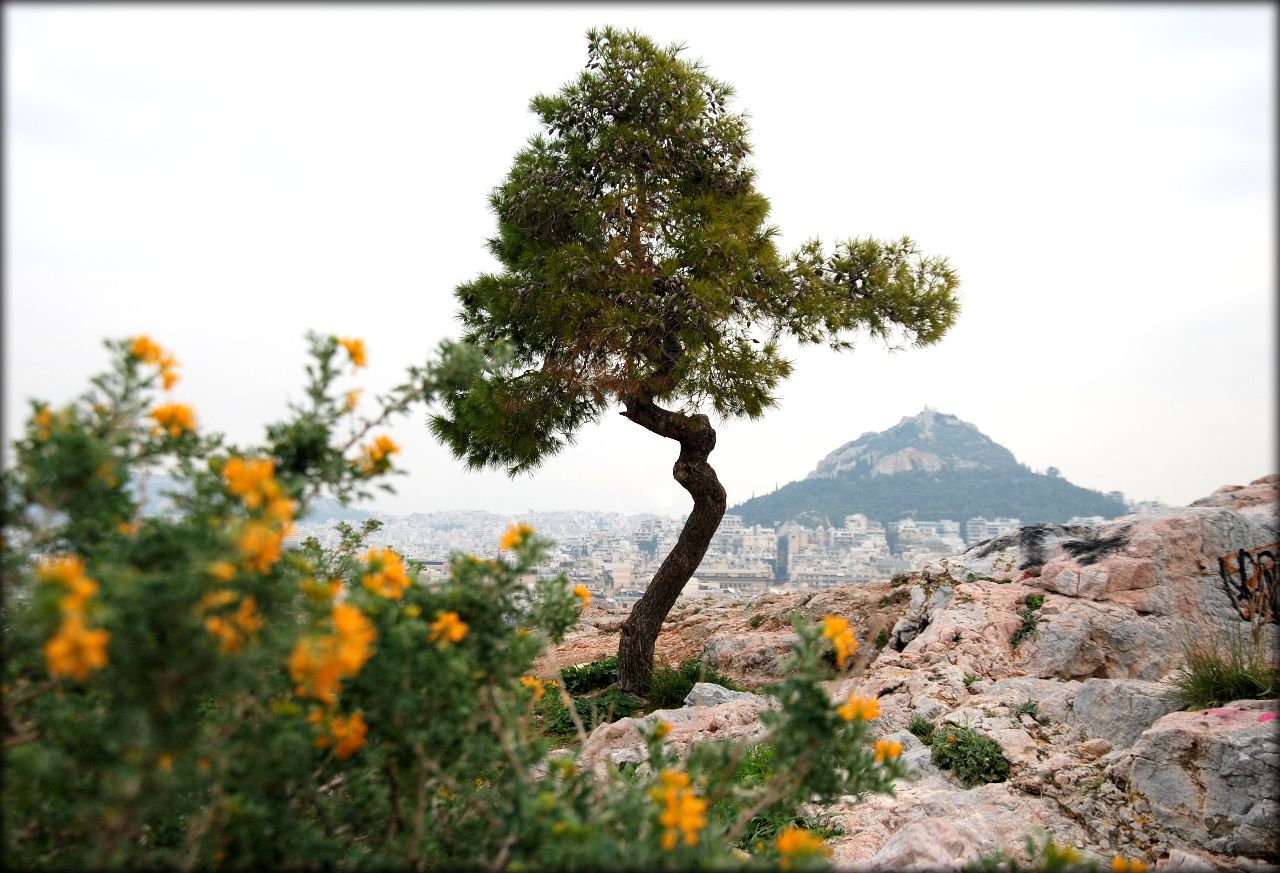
(974, 759)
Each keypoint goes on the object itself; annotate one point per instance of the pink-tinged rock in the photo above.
(1258, 493)
(1213, 777)
(883, 833)
(622, 741)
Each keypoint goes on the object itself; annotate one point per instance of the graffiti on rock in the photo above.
(1249, 577)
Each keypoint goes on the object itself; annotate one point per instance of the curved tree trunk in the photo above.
(640, 631)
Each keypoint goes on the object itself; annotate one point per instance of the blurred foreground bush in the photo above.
(184, 690)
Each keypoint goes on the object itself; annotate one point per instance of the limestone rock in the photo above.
(710, 694)
(1213, 777)
(1119, 710)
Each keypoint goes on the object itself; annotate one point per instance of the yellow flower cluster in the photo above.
(374, 457)
(886, 750)
(584, 594)
(174, 418)
(796, 842)
(149, 353)
(447, 628)
(231, 630)
(1121, 864)
(536, 684)
(74, 650)
(838, 631)
(318, 664)
(661, 729)
(515, 536)
(261, 541)
(44, 421)
(355, 350)
(346, 735)
(864, 708)
(353, 398)
(683, 811)
(386, 576)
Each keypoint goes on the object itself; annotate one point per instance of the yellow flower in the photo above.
(348, 734)
(447, 628)
(796, 842)
(230, 641)
(1121, 864)
(515, 536)
(129, 528)
(222, 570)
(247, 617)
(355, 638)
(837, 630)
(661, 729)
(252, 480)
(887, 750)
(314, 668)
(683, 812)
(861, 708)
(387, 577)
(355, 350)
(353, 397)
(43, 421)
(217, 598)
(75, 650)
(582, 592)
(68, 571)
(373, 457)
(260, 546)
(106, 475)
(175, 418)
(321, 591)
(536, 684)
(165, 762)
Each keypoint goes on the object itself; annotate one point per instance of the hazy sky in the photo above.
(225, 179)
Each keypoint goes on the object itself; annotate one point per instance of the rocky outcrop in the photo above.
(1057, 643)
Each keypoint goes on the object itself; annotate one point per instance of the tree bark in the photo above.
(639, 633)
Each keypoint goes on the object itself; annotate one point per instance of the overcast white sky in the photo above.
(225, 179)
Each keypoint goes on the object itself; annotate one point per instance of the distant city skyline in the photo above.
(225, 179)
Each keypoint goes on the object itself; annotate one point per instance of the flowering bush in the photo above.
(186, 689)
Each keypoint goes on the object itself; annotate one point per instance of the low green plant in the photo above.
(1030, 620)
(668, 686)
(921, 727)
(600, 673)
(882, 640)
(757, 620)
(592, 710)
(1026, 707)
(969, 679)
(1222, 665)
(974, 759)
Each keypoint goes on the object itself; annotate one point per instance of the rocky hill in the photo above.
(1079, 703)
(929, 466)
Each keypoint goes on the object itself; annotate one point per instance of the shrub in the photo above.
(882, 640)
(1221, 666)
(591, 676)
(757, 620)
(973, 758)
(669, 685)
(187, 690)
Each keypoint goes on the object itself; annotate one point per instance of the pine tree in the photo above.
(638, 270)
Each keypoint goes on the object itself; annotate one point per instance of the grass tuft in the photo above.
(1222, 666)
